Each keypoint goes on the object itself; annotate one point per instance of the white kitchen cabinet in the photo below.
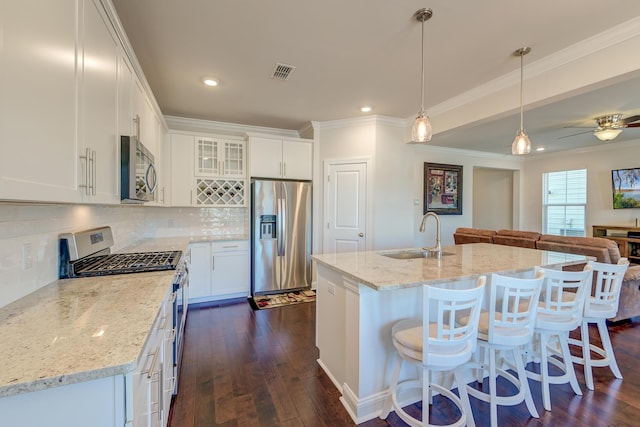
(98, 107)
(206, 171)
(66, 85)
(125, 91)
(38, 102)
(96, 403)
(152, 381)
(182, 180)
(219, 270)
(164, 170)
(163, 166)
(280, 158)
(216, 157)
(136, 399)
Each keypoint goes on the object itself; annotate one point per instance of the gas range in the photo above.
(88, 254)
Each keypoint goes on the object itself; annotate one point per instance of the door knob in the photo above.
(361, 234)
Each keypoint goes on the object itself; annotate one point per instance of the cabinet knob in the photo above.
(361, 234)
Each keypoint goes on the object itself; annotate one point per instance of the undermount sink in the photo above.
(414, 254)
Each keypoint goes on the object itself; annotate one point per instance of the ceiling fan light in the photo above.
(607, 134)
(521, 145)
(422, 130)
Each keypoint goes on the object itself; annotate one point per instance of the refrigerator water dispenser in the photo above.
(267, 227)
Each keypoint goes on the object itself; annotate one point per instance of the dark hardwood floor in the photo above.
(258, 368)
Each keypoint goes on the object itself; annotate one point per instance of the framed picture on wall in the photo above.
(442, 189)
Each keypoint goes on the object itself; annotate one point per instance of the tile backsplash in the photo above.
(29, 234)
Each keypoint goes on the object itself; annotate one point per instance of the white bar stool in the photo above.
(507, 327)
(559, 312)
(443, 340)
(601, 305)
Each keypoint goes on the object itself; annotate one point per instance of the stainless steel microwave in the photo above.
(138, 176)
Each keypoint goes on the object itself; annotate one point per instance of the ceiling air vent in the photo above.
(281, 71)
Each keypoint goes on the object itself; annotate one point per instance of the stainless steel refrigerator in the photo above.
(280, 236)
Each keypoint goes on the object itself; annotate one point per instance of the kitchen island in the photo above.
(361, 295)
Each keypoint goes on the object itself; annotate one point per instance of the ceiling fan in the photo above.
(610, 126)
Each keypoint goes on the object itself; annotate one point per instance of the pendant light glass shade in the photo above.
(521, 145)
(422, 130)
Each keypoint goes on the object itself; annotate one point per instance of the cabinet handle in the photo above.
(213, 262)
(230, 247)
(94, 175)
(87, 171)
(284, 169)
(152, 367)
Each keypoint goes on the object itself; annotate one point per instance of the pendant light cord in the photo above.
(521, 97)
(422, 74)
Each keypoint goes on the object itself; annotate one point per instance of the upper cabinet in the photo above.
(220, 157)
(98, 107)
(38, 101)
(67, 90)
(208, 171)
(280, 158)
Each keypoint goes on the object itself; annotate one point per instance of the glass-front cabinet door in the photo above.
(233, 165)
(208, 160)
(220, 157)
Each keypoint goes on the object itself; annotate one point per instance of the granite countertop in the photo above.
(468, 261)
(75, 330)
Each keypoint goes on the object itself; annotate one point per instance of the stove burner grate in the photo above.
(125, 263)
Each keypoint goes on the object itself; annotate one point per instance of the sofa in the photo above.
(524, 239)
(464, 235)
(602, 249)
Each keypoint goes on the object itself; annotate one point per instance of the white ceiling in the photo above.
(367, 52)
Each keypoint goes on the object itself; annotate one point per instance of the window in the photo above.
(564, 202)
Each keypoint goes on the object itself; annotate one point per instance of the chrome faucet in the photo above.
(437, 249)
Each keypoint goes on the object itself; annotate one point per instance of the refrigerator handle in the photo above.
(280, 229)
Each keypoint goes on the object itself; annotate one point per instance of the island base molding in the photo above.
(368, 408)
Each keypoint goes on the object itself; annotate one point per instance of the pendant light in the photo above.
(521, 145)
(422, 131)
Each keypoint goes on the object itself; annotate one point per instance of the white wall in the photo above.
(599, 161)
(492, 213)
(393, 190)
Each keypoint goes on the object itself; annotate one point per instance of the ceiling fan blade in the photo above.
(626, 122)
(633, 125)
(575, 134)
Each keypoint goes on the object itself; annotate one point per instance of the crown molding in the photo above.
(360, 121)
(584, 48)
(195, 125)
(462, 152)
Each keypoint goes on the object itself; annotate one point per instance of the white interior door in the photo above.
(346, 207)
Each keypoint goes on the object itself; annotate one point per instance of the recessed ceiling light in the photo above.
(366, 109)
(540, 149)
(211, 82)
